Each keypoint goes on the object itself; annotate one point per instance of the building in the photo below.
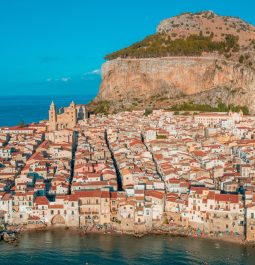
(209, 119)
(210, 211)
(65, 117)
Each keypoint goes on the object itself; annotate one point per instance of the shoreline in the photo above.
(225, 239)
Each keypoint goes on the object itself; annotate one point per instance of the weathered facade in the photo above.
(66, 118)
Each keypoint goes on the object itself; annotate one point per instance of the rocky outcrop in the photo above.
(161, 82)
(9, 237)
(140, 79)
(207, 23)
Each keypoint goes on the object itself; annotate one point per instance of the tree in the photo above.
(22, 124)
(147, 111)
(102, 107)
(231, 41)
(241, 59)
(245, 110)
(222, 107)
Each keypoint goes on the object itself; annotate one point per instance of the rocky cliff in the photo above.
(162, 82)
(135, 83)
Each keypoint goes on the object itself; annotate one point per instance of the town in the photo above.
(132, 172)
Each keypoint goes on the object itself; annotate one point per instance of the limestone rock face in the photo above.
(202, 80)
(130, 82)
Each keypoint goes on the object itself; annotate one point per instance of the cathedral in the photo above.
(67, 117)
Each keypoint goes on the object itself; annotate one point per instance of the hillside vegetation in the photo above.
(161, 45)
(222, 107)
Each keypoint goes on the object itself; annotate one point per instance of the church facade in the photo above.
(65, 117)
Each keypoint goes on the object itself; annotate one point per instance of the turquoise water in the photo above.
(32, 108)
(67, 247)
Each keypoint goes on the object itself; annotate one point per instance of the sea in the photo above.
(69, 247)
(14, 109)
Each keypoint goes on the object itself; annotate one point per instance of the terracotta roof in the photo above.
(93, 193)
(41, 200)
(154, 193)
(198, 190)
(56, 206)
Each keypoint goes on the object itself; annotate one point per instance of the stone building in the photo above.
(63, 136)
(65, 117)
(227, 120)
(95, 207)
(211, 211)
(250, 216)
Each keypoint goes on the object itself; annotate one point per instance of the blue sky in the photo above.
(57, 46)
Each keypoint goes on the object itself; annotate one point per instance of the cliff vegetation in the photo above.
(222, 107)
(161, 45)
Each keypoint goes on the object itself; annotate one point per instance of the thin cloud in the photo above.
(92, 75)
(62, 79)
(94, 72)
(65, 79)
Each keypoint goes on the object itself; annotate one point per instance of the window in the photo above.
(252, 215)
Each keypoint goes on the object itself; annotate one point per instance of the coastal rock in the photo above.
(202, 80)
(134, 78)
(10, 237)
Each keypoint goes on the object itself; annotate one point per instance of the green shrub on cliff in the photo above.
(161, 45)
(102, 107)
(148, 111)
(222, 107)
(161, 137)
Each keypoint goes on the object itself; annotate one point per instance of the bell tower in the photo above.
(52, 117)
(73, 114)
